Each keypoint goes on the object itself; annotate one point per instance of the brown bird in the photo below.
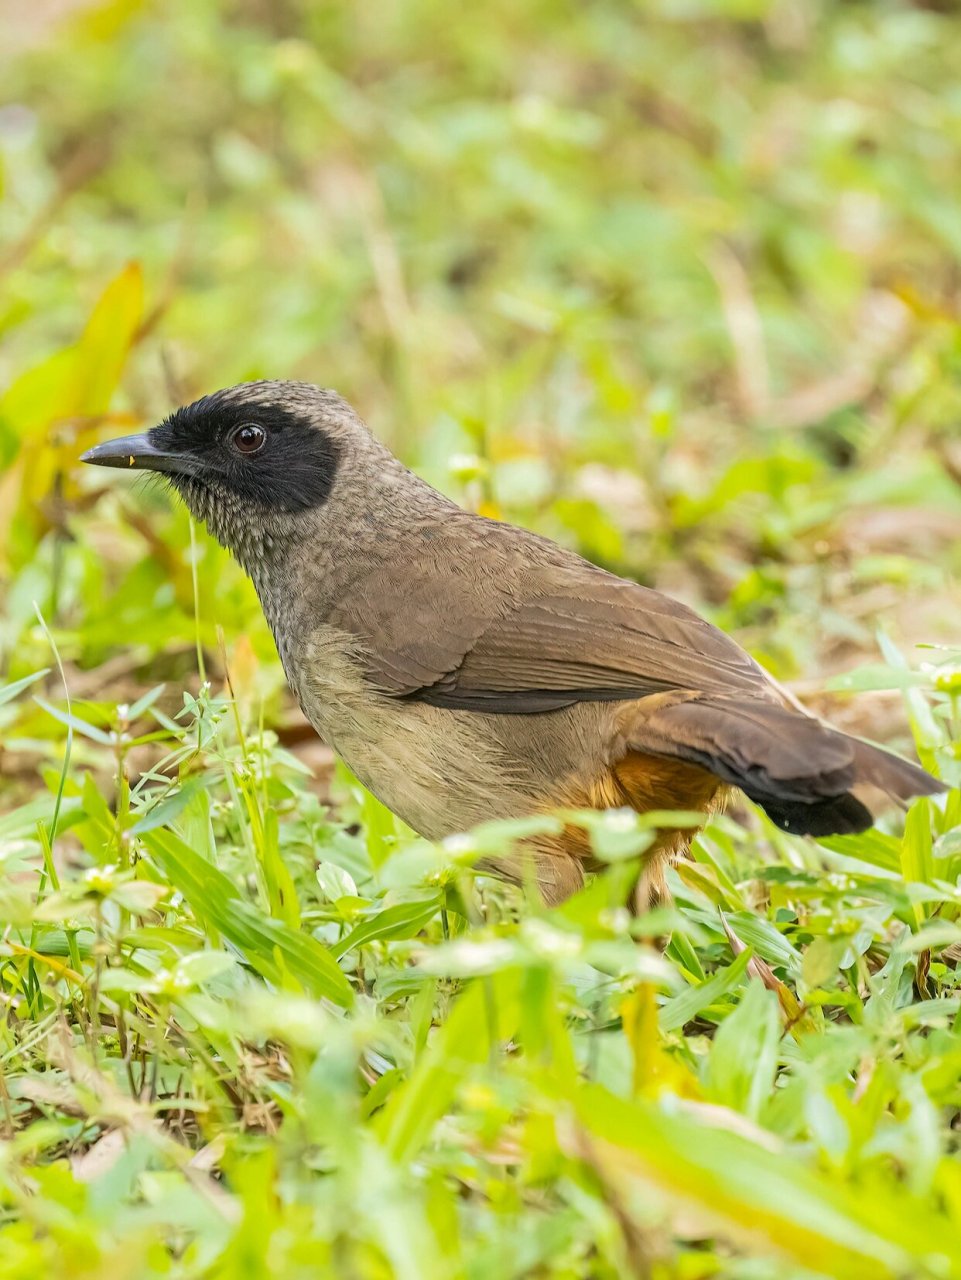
(467, 669)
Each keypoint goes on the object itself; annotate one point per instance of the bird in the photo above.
(466, 669)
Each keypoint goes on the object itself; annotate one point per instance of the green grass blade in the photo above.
(213, 897)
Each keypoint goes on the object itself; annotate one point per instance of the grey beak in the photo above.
(138, 452)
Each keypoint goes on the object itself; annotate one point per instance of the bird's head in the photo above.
(252, 461)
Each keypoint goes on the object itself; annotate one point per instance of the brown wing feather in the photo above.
(599, 639)
(498, 620)
(518, 636)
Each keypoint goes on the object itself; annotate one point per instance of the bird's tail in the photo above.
(803, 773)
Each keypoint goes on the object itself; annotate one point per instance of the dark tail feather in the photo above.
(901, 779)
(842, 816)
(800, 771)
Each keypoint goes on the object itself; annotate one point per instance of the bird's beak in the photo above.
(139, 452)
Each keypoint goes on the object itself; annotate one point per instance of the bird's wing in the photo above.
(539, 636)
(536, 638)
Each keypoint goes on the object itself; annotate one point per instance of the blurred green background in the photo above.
(677, 283)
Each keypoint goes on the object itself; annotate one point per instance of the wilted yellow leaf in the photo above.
(73, 386)
(655, 1070)
(106, 341)
(80, 380)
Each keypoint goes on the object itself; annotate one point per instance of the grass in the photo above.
(675, 284)
(242, 1037)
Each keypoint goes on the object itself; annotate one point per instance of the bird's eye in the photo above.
(249, 438)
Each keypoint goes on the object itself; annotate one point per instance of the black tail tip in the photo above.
(836, 816)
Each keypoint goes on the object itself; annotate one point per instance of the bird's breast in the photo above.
(437, 770)
(441, 771)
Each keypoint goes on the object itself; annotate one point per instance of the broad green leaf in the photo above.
(917, 859)
(203, 966)
(743, 1060)
(264, 942)
(764, 938)
(760, 1199)
(679, 1010)
(403, 920)
(281, 889)
(485, 1013)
